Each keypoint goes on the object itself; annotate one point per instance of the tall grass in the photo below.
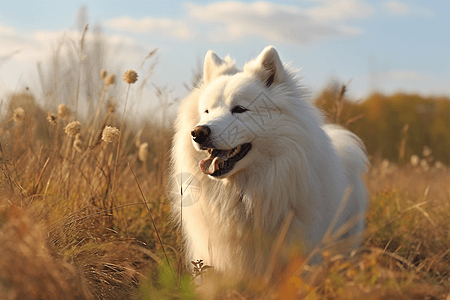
(68, 230)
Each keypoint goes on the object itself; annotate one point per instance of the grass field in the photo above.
(86, 217)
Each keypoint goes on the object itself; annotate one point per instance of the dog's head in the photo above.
(234, 111)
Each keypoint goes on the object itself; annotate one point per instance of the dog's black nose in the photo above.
(200, 134)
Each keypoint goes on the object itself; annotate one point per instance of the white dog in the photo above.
(253, 151)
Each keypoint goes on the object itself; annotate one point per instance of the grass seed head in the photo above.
(110, 134)
(78, 143)
(63, 111)
(439, 165)
(143, 152)
(424, 165)
(52, 119)
(103, 74)
(414, 160)
(426, 151)
(73, 128)
(130, 77)
(19, 115)
(111, 107)
(110, 79)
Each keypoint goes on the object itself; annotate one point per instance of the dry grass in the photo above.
(65, 233)
(81, 218)
(66, 230)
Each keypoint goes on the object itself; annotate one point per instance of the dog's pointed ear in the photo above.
(269, 67)
(212, 62)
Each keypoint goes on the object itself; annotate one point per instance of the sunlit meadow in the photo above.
(84, 212)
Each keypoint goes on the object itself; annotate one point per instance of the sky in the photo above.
(387, 46)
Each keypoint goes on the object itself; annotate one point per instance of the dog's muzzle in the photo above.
(200, 134)
(219, 161)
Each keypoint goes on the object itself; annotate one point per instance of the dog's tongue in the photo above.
(210, 165)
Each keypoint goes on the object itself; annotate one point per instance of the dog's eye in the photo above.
(206, 111)
(238, 109)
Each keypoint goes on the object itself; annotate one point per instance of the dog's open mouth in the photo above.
(221, 162)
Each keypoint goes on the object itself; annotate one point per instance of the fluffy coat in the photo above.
(297, 165)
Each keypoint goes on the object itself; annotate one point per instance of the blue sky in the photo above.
(384, 45)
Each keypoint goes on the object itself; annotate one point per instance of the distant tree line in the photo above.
(393, 127)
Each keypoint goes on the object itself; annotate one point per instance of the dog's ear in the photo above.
(268, 67)
(212, 62)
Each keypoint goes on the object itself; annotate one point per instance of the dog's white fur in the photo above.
(296, 164)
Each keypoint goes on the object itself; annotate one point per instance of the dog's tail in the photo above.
(350, 148)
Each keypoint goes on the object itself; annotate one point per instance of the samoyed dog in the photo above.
(253, 160)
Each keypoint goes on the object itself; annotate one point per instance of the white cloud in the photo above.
(402, 9)
(40, 45)
(115, 53)
(341, 10)
(29, 49)
(165, 26)
(233, 20)
(6, 30)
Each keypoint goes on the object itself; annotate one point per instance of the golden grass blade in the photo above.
(151, 217)
(40, 176)
(277, 247)
(345, 197)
